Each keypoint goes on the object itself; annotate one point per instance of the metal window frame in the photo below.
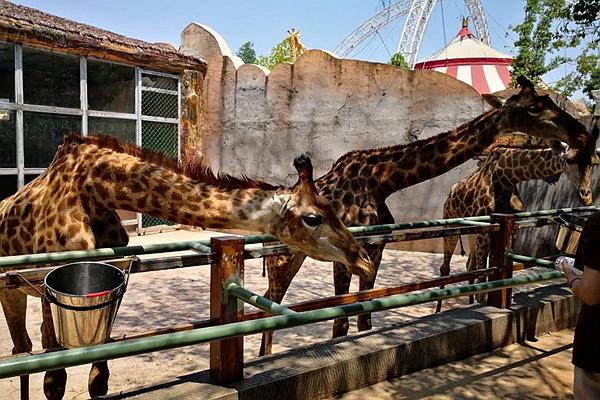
(19, 106)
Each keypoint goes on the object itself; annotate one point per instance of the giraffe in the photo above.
(71, 206)
(492, 188)
(360, 181)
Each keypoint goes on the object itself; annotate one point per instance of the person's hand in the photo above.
(570, 272)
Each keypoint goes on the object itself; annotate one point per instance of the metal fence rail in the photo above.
(227, 319)
(21, 365)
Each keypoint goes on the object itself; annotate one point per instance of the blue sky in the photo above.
(322, 24)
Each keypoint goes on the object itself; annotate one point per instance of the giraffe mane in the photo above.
(354, 153)
(192, 168)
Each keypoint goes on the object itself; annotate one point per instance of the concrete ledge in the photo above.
(348, 363)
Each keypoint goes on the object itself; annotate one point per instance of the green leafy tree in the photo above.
(398, 60)
(280, 53)
(548, 29)
(247, 53)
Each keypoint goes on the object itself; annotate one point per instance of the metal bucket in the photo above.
(85, 297)
(569, 231)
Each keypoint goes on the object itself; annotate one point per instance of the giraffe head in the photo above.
(307, 222)
(537, 115)
(579, 165)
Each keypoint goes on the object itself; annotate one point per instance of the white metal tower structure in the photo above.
(417, 14)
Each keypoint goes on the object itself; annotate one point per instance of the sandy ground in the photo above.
(166, 298)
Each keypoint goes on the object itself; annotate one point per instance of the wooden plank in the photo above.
(226, 356)
(377, 293)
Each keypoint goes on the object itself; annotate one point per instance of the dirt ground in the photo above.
(166, 298)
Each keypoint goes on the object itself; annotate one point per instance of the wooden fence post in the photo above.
(226, 356)
(500, 241)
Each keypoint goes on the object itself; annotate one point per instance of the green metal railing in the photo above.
(204, 245)
(22, 365)
(256, 300)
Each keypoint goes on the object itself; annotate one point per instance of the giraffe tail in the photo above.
(462, 249)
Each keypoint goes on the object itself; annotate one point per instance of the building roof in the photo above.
(27, 25)
(468, 59)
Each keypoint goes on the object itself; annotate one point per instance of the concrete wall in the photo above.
(257, 122)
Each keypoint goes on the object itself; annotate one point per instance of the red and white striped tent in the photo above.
(472, 62)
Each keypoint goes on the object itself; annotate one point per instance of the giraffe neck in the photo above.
(388, 170)
(122, 181)
(523, 165)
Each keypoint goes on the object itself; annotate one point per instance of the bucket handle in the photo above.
(50, 297)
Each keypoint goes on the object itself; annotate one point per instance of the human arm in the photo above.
(585, 286)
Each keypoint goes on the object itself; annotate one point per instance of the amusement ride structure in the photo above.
(468, 57)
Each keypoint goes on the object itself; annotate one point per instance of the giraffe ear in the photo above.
(281, 203)
(493, 100)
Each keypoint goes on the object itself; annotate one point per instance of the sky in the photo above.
(322, 23)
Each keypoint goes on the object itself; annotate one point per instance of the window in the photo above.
(111, 87)
(127, 102)
(8, 143)
(50, 79)
(122, 129)
(7, 72)
(8, 186)
(43, 133)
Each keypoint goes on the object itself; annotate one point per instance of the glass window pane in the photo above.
(8, 144)
(111, 87)
(159, 82)
(159, 104)
(50, 79)
(42, 135)
(30, 177)
(122, 129)
(7, 72)
(8, 186)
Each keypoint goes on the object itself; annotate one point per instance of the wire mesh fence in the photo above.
(160, 98)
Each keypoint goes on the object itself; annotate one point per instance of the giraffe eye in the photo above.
(312, 220)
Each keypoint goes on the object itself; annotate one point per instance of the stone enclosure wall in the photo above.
(256, 122)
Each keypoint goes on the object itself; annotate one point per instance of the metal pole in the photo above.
(257, 301)
(530, 260)
(22, 365)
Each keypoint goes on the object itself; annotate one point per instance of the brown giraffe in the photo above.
(360, 181)
(71, 206)
(492, 188)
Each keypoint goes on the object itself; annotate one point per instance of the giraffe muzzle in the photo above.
(361, 264)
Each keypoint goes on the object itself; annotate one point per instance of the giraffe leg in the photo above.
(363, 321)
(108, 232)
(341, 279)
(449, 246)
(55, 381)
(14, 305)
(471, 262)
(281, 272)
(483, 248)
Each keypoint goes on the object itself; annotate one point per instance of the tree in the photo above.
(550, 27)
(246, 52)
(398, 60)
(280, 53)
